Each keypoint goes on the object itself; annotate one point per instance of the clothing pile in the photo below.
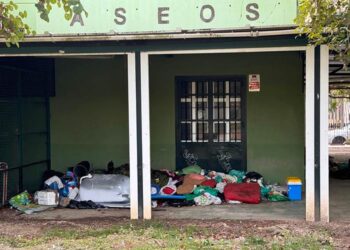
(82, 188)
(194, 185)
(78, 188)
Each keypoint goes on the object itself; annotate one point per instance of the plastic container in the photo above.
(294, 188)
(104, 188)
(47, 198)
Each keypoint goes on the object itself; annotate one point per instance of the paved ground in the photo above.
(340, 204)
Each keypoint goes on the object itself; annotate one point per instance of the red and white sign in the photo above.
(254, 83)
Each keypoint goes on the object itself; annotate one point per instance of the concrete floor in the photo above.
(340, 203)
(339, 192)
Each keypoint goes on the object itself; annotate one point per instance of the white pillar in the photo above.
(310, 133)
(132, 135)
(324, 161)
(146, 143)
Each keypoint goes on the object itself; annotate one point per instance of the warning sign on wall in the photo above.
(254, 83)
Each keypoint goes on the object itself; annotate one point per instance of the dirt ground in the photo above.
(13, 224)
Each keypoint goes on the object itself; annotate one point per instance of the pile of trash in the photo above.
(82, 188)
(195, 186)
(78, 188)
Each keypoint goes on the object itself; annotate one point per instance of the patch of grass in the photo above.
(147, 235)
(161, 235)
(254, 242)
(311, 242)
(20, 242)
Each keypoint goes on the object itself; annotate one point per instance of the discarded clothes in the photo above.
(200, 190)
(189, 183)
(84, 205)
(243, 192)
(238, 174)
(207, 199)
(253, 177)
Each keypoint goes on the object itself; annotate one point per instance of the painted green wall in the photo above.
(89, 112)
(275, 116)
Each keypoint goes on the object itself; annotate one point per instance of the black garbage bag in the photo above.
(252, 177)
(84, 205)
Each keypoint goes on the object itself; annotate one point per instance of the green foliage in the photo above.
(70, 7)
(337, 97)
(326, 22)
(12, 26)
(12, 22)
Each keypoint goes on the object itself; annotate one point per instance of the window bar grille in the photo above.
(235, 104)
(218, 114)
(222, 127)
(217, 111)
(193, 111)
(186, 95)
(202, 109)
(196, 109)
(220, 110)
(227, 111)
(224, 112)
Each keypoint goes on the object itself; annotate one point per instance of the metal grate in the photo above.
(210, 111)
(209, 122)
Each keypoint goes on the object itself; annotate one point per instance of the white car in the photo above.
(339, 136)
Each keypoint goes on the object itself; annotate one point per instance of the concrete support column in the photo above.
(139, 136)
(324, 161)
(133, 139)
(146, 141)
(310, 133)
(316, 133)
(321, 133)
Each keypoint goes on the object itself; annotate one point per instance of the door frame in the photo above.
(243, 79)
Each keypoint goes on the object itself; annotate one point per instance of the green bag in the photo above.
(192, 170)
(21, 199)
(265, 191)
(277, 197)
(198, 191)
(204, 189)
(238, 174)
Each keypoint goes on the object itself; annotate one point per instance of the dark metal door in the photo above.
(24, 125)
(210, 122)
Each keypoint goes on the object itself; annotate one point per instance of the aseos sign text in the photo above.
(206, 14)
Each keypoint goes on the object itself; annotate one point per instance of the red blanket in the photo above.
(243, 192)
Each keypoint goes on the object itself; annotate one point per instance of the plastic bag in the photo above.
(192, 170)
(265, 191)
(277, 197)
(238, 174)
(21, 199)
(22, 202)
